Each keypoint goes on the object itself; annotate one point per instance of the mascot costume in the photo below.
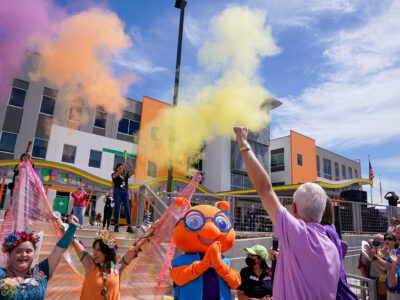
(202, 272)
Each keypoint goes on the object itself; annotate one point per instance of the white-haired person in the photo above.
(20, 280)
(308, 266)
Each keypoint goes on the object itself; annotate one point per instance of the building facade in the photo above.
(296, 159)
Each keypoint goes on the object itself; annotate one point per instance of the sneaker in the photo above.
(129, 229)
(116, 228)
(108, 228)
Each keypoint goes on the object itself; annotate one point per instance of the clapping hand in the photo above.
(394, 258)
(370, 252)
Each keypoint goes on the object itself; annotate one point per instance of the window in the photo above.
(327, 167)
(7, 142)
(75, 112)
(277, 160)
(151, 169)
(240, 181)
(126, 126)
(299, 159)
(47, 106)
(278, 183)
(119, 159)
(355, 173)
(154, 133)
(69, 153)
(337, 171)
(100, 120)
(343, 172)
(350, 173)
(95, 159)
(17, 97)
(318, 168)
(39, 148)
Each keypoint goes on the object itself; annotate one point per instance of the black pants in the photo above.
(107, 216)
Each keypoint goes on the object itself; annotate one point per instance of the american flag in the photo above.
(371, 173)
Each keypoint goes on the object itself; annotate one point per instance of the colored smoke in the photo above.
(18, 20)
(76, 61)
(240, 39)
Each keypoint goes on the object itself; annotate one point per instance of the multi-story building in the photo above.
(296, 159)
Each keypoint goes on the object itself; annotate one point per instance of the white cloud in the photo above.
(356, 102)
(134, 61)
(390, 164)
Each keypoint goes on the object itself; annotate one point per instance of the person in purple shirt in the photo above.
(343, 291)
(308, 265)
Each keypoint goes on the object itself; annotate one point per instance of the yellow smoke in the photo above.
(239, 40)
(76, 60)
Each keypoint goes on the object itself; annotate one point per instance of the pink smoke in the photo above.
(19, 19)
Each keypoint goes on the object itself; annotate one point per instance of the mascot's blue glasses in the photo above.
(194, 220)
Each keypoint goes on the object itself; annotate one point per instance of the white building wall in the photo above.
(216, 165)
(85, 142)
(282, 176)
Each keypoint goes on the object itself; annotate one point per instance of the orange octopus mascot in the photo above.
(203, 272)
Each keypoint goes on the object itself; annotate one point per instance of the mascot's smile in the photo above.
(206, 241)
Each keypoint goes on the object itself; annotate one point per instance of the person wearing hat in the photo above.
(256, 278)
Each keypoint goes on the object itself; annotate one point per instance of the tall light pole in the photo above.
(181, 5)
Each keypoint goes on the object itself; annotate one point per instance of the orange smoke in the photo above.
(76, 61)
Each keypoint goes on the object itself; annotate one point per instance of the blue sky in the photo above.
(337, 73)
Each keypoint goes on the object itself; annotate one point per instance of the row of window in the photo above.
(125, 126)
(327, 170)
(39, 150)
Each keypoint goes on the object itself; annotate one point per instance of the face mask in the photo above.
(250, 262)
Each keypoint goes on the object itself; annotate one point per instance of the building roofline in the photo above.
(355, 160)
(302, 134)
(154, 99)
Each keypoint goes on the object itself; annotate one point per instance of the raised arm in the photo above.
(257, 174)
(62, 245)
(84, 257)
(132, 172)
(392, 277)
(133, 252)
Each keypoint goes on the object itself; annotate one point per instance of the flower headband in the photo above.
(109, 240)
(17, 237)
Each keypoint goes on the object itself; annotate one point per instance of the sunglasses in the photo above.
(195, 220)
(389, 239)
(376, 244)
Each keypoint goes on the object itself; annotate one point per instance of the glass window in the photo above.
(39, 148)
(127, 126)
(277, 160)
(119, 159)
(343, 172)
(69, 153)
(355, 173)
(151, 169)
(280, 183)
(133, 127)
(100, 120)
(47, 106)
(7, 142)
(154, 133)
(327, 167)
(123, 126)
(75, 112)
(318, 168)
(95, 159)
(337, 170)
(17, 97)
(299, 159)
(350, 173)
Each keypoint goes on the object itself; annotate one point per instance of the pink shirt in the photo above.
(308, 265)
(79, 200)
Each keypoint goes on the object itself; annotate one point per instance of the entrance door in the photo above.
(61, 204)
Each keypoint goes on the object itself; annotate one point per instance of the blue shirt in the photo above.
(397, 287)
(30, 292)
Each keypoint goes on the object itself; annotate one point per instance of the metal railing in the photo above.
(351, 217)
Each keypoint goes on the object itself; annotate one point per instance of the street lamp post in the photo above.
(181, 5)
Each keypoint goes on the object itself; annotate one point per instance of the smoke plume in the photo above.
(240, 39)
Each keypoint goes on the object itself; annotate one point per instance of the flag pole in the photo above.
(380, 188)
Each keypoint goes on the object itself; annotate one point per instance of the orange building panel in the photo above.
(303, 156)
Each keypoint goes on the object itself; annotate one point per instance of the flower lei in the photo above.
(108, 239)
(17, 237)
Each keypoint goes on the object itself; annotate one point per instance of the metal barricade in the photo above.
(364, 288)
